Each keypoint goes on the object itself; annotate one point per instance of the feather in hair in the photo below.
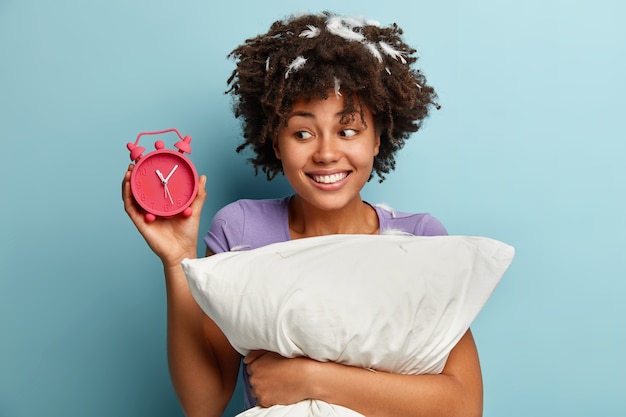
(359, 22)
(295, 65)
(311, 32)
(374, 51)
(389, 50)
(337, 87)
(371, 22)
(337, 26)
(353, 22)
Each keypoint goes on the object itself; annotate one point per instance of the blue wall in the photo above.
(528, 148)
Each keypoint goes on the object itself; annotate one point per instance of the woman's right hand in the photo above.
(171, 239)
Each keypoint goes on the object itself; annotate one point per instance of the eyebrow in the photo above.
(301, 114)
(310, 115)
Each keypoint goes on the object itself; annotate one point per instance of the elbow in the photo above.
(469, 403)
(475, 411)
(470, 407)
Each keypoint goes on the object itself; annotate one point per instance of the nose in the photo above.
(327, 150)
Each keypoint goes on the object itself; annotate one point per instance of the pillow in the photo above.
(396, 303)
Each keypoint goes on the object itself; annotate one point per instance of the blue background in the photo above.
(528, 148)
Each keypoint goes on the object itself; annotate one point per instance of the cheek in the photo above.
(365, 154)
(289, 158)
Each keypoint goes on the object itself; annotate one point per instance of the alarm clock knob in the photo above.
(135, 151)
(159, 144)
(184, 145)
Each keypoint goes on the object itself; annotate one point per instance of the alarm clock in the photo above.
(163, 182)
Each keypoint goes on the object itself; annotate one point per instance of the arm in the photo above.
(457, 391)
(203, 365)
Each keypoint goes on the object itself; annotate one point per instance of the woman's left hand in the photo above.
(456, 391)
(275, 379)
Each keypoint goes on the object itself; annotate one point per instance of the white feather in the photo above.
(374, 51)
(389, 50)
(387, 208)
(267, 64)
(295, 65)
(353, 22)
(336, 26)
(337, 87)
(311, 32)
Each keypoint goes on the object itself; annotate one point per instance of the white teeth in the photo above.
(329, 179)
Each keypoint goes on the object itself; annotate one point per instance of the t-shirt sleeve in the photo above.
(430, 226)
(418, 224)
(226, 228)
(247, 224)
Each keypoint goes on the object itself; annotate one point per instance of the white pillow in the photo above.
(394, 303)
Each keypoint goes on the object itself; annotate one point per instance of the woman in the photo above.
(327, 101)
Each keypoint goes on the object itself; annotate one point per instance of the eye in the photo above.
(303, 135)
(348, 133)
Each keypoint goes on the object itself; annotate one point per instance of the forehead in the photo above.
(332, 105)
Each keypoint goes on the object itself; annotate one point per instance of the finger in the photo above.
(253, 355)
(126, 178)
(202, 188)
(126, 193)
(130, 205)
(198, 202)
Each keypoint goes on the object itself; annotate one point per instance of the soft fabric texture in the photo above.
(394, 303)
(251, 223)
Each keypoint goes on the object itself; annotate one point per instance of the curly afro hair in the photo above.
(310, 56)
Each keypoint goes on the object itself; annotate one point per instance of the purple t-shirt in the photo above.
(249, 224)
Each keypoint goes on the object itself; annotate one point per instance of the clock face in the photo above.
(164, 182)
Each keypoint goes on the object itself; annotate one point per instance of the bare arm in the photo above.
(457, 391)
(203, 365)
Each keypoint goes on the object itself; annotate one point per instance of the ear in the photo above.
(377, 145)
(276, 148)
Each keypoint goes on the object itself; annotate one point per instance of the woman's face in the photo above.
(326, 160)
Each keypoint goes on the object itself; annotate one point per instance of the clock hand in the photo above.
(164, 182)
(167, 179)
(168, 193)
(171, 172)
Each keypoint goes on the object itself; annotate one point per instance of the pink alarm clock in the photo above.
(164, 182)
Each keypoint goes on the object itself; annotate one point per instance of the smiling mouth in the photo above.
(329, 179)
